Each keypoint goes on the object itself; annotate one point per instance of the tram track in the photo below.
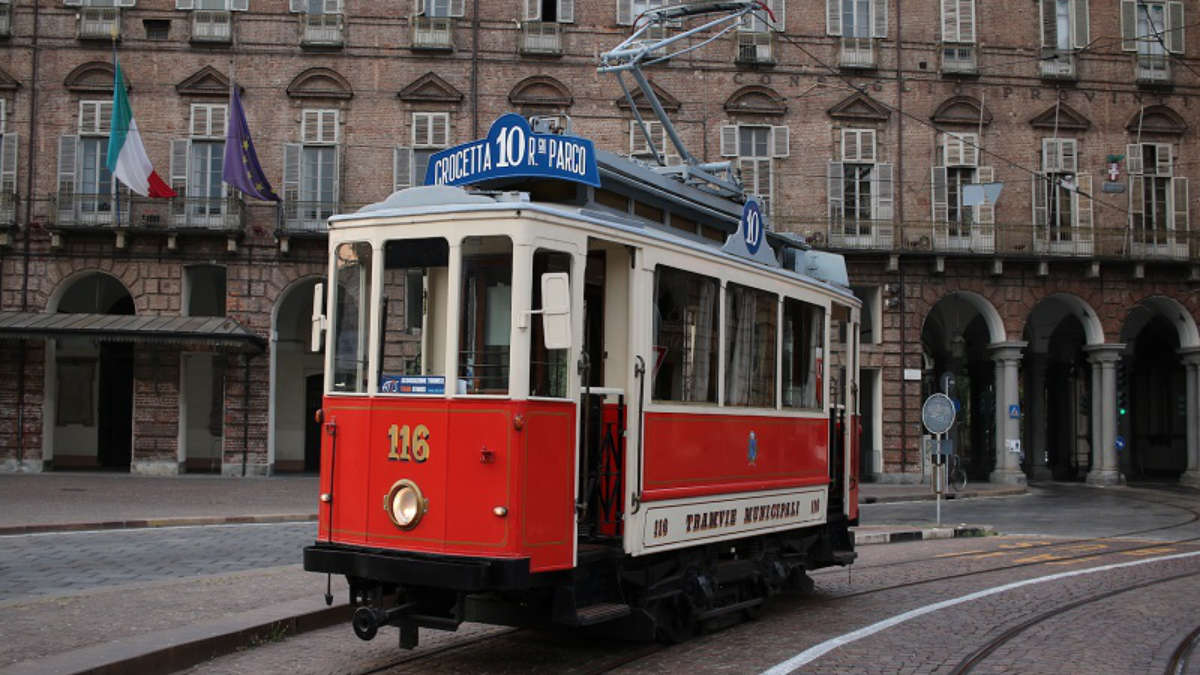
(1181, 658)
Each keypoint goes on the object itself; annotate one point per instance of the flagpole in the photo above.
(115, 189)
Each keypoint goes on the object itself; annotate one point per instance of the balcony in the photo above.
(963, 237)
(959, 59)
(215, 214)
(432, 33)
(861, 234)
(212, 26)
(541, 37)
(5, 19)
(1056, 65)
(857, 53)
(322, 30)
(99, 23)
(79, 210)
(1153, 69)
(754, 49)
(308, 217)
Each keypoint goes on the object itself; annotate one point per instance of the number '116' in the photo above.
(401, 441)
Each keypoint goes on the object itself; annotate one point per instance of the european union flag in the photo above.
(242, 169)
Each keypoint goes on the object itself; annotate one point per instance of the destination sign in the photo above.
(511, 149)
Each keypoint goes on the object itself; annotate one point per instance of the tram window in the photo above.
(412, 316)
(803, 332)
(685, 336)
(714, 233)
(352, 276)
(751, 323)
(547, 367)
(682, 223)
(643, 210)
(611, 199)
(485, 323)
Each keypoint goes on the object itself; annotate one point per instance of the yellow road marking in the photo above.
(955, 555)
(1041, 557)
(1149, 551)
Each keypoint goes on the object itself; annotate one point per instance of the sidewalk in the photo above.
(161, 626)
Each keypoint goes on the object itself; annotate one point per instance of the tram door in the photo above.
(603, 390)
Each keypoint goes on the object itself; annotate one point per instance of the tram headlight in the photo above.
(405, 504)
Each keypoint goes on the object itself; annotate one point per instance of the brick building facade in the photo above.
(1060, 315)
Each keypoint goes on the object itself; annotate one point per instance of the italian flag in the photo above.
(127, 158)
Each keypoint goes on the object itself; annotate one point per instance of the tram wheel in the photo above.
(675, 621)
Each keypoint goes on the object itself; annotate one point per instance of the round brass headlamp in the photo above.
(405, 505)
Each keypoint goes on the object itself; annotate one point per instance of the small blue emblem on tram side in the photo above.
(751, 226)
(511, 149)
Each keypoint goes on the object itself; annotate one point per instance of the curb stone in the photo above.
(156, 522)
(897, 536)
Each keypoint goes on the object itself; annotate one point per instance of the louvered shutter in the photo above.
(458, 7)
(1179, 192)
(966, 21)
(1137, 199)
(184, 4)
(1081, 22)
(293, 155)
(439, 130)
(337, 180)
(729, 140)
(1081, 199)
(779, 9)
(297, 6)
(1040, 185)
(866, 145)
(1162, 154)
(1133, 159)
(1049, 25)
(949, 20)
(239, 5)
(420, 131)
(68, 147)
(833, 17)
(329, 126)
(879, 9)
(779, 142)
(1175, 25)
(1128, 25)
(1069, 158)
(8, 165)
(970, 149)
(625, 12)
(179, 165)
(985, 212)
(1051, 156)
(835, 179)
(566, 11)
(401, 168)
(309, 119)
(952, 150)
(882, 192)
(938, 199)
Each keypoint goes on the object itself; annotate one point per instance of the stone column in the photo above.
(1035, 394)
(1007, 357)
(1104, 414)
(1191, 361)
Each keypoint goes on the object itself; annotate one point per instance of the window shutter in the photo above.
(199, 125)
(938, 199)
(1128, 25)
(420, 129)
(1179, 191)
(952, 150)
(882, 192)
(337, 180)
(439, 129)
(1040, 183)
(1049, 25)
(566, 11)
(183, 4)
(329, 126)
(780, 142)
(1081, 22)
(970, 149)
(729, 140)
(333, 6)
(179, 165)
(458, 7)
(1174, 37)
(68, 146)
(1162, 153)
(401, 168)
(836, 190)
(949, 20)
(866, 145)
(1051, 155)
(833, 17)
(1081, 199)
(87, 117)
(297, 6)
(1137, 199)
(879, 9)
(309, 119)
(1133, 158)
(625, 12)
(8, 165)
(985, 212)
(966, 20)
(292, 157)
(1070, 155)
(239, 5)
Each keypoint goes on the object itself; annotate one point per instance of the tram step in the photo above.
(844, 557)
(605, 611)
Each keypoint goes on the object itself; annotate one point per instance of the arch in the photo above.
(961, 110)
(1157, 119)
(69, 283)
(983, 306)
(320, 83)
(541, 90)
(1051, 309)
(756, 99)
(1168, 308)
(287, 372)
(93, 77)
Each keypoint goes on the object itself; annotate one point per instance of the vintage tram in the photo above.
(588, 394)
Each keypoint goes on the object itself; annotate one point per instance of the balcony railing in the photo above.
(308, 217)
(99, 23)
(1056, 65)
(959, 59)
(541, 37)
(858, 52)
(1018, 240)
(211, 26)
(432, 32)
(207, 213)
(5, 19)
(322, 30)
(1153, 69)
(98, 211)
(8, 209)
(91, 210)
(754, 48)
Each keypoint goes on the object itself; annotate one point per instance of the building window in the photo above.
(86, 188)
(157, 29)
(857, 22)
(98, 19)
(212, 20)
(960, 223)
(754, 43)
(310, 172)
(321, 21)
(639, 147)
(629, 10)
(430, 133)
(196, 168)
(1158, 201)
(8, 171)
(203, 290)
(958, 36)
(5, 18)
(756, 147)
(1065, 29)
(1062, 202)
(1153, 31)
(541, 25)
(433, 23)
(860, 193)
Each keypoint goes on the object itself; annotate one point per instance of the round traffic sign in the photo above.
(937, 414)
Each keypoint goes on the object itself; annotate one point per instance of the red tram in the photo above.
(609, 402)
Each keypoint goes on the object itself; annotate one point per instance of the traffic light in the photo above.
(1122, 389)
(891, 296)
